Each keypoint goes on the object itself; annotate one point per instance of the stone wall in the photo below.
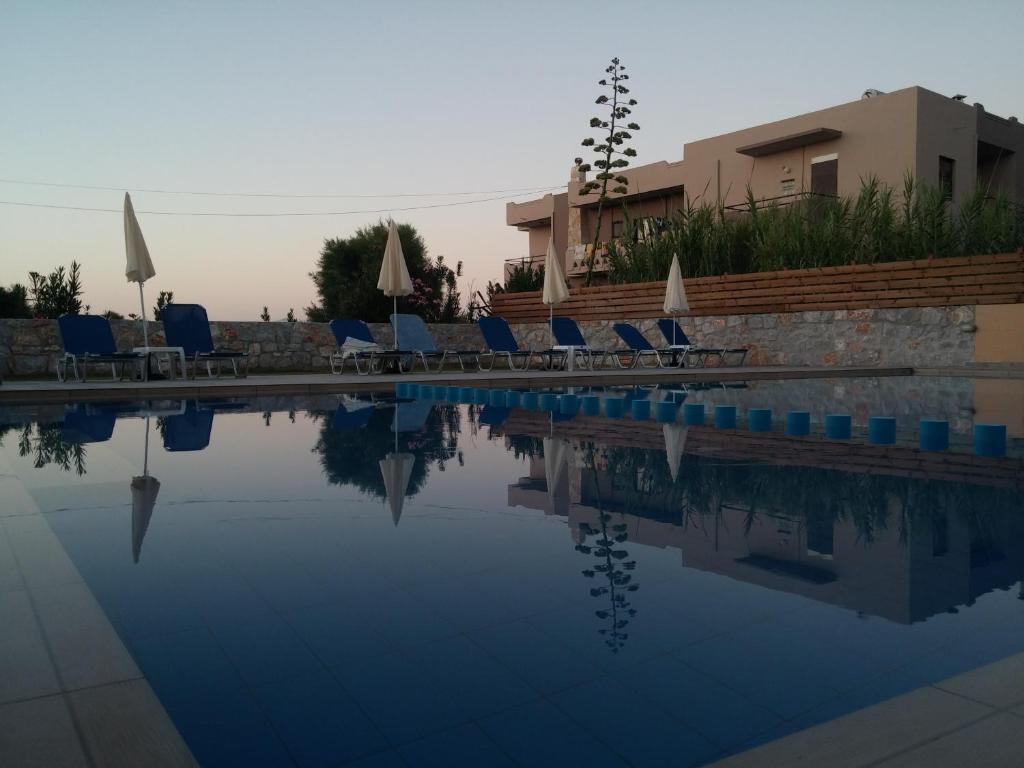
(923, 336)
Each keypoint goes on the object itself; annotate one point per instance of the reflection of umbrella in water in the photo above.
(396, 468)
(556, 452)
(144, 491)
(675, 444)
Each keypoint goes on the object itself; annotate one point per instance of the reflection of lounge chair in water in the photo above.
(411, 416)
(85, 425)
(352, 415)
(189, 431)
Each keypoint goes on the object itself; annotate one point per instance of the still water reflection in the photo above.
(317, 582)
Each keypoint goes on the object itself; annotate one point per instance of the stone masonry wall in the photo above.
(926, 336)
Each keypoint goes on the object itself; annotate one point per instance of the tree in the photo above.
(347, 272)
(14, 302)
(112, 315)
(265, 314)
(612, 150)
(290, 317)
(165, 298)
(59, 293)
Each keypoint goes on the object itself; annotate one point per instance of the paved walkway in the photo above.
(312, 383)
(974, 719)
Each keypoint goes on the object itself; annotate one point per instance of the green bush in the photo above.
(876, 225)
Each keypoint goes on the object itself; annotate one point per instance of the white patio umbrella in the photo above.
(675, 444)
(394, 277)
(675, 294)
(144, 492)
(139, 267)
(555, 289)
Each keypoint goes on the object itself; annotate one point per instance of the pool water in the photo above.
(379, 581)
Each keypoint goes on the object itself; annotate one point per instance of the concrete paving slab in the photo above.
(38, 733)
(86, 649)
(995, 742)
(124, 725)
(869, 735)
(25, 667)
(14, 499)
(999, 685)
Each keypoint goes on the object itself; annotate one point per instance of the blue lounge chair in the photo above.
(677, 338)
(187, 326)
(189, 431)
(88, 339)
(640, 350)
(356, 343)
(415, 341)
(569, 337)
(501, 342)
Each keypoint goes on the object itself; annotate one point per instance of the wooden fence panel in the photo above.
(990, 279)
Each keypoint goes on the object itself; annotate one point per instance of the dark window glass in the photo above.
(825, 178)
(618, 227)
(946, 168)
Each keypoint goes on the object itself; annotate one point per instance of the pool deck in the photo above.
(319, 383)
(975, 719)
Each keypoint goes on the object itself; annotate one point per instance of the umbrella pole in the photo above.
(551, 326)
(394, 321)
(145, 459)
(142, 304)
(675, 324)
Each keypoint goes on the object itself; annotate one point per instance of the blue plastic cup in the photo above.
(548, 402)
(693, 414)
(759, 419)
(466, 395)
(990, 439)
(568, 404)
(401, 389)
(798, 423)
(440, 393)
(591, 405)
(838, 426)
(453, 394)
(412, 390)
(665, 411)
(481, 396)
(933, 435)
(496, 398)
(725, 416)
(641, 409)
(529, 400)
(614, 407)
(881, 430)
(512, 399)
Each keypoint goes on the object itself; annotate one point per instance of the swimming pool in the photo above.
(381, 580)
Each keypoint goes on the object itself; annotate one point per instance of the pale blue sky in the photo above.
(344, 97)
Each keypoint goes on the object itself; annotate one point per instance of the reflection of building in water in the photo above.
(922, 555)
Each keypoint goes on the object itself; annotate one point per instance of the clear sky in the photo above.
(335, 97)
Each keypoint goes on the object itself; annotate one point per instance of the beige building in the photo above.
(937, 139)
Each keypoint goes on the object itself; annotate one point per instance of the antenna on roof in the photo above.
(871, 93)
(960, 97)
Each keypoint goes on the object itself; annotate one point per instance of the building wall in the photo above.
(999, 337)
(948, 128)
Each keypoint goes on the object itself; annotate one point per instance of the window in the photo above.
(825, 175)
(788, 186)
(947, 166)
(618, 228)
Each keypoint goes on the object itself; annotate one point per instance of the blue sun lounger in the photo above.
(187, 326)
(501, 342)
(356, 343)
(639, 350)
(570, 339)
(188, 431)
(88, 339)
(415, 341)
(677, 338)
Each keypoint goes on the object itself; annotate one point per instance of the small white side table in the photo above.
(167, 352)
(570, 358)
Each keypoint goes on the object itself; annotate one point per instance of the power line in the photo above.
(94, 187)
(263, 215)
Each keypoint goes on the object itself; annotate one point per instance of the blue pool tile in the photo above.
(542, 661)
(319, 723)
(539, 735)
(266, 652)
(465, 745)
(719, 713)
(412, 693)
(642, 732)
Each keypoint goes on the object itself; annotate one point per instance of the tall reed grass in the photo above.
(878, 224)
